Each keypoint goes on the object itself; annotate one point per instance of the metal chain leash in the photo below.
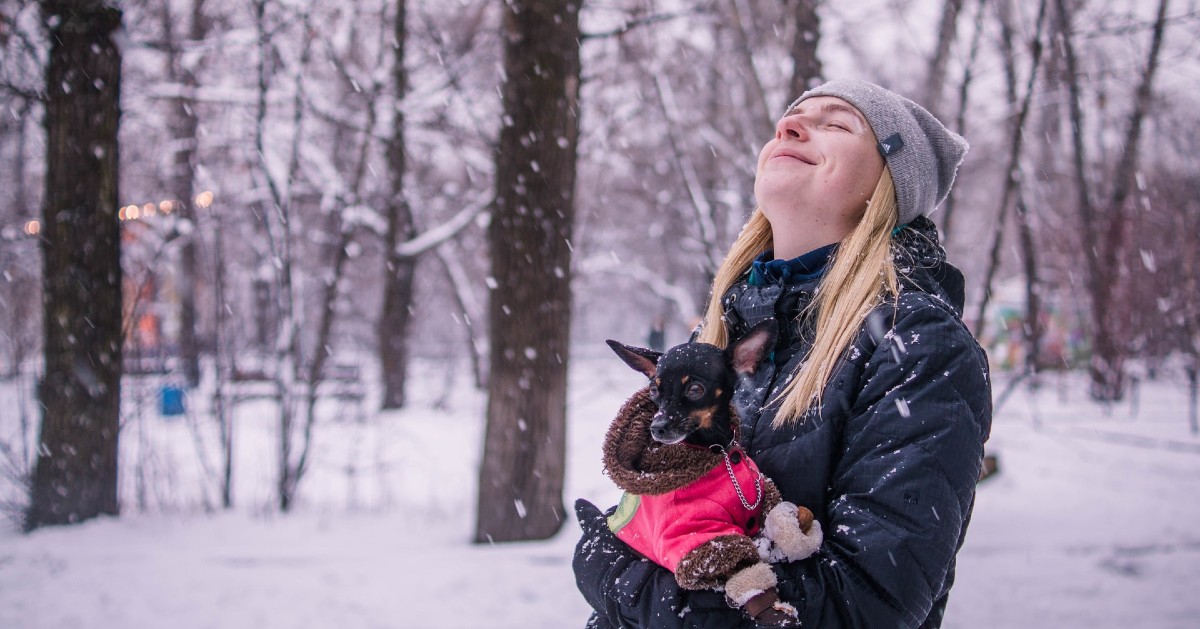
(738, 488)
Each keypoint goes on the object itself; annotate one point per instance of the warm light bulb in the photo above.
(204, 199)
(33, 227)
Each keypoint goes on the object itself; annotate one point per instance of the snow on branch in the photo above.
(683, 299)
(435, 236)
(646, 20)
(704, 210)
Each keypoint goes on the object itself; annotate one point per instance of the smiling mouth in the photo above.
(796, 156)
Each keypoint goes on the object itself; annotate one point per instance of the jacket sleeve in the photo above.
(904, 485)
(627, 590)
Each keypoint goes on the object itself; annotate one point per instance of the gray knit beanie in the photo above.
(922, 154)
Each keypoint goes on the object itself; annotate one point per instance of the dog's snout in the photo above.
(667, 427)
(658, 425)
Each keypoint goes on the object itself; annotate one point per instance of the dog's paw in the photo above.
(748, 583)
(793, 531)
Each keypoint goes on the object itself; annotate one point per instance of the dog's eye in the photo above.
(695, 391)
(653, 392)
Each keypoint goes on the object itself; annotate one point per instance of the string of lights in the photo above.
(134, 212)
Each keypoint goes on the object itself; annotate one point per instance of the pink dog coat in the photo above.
(666, 527)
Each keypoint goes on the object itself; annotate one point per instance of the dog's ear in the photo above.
(752, 348)
(640, 358)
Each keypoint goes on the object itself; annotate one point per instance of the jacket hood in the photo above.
(921, 264)
(640, 465)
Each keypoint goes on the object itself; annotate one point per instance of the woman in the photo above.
(876, 403)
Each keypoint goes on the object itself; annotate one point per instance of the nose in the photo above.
(793, 127)
(658, 425)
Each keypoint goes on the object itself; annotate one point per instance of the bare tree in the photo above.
(398, 271)
(75, 478)
(281, 233)
(1012, 182)
(521, 474)
(935, 76)
(806, 64)
(960, 118)
(185, 122)
(1104, 228)
(741, 17)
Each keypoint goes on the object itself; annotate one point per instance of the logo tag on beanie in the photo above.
(890, 145)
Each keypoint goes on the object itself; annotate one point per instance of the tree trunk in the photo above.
(75, 477)
(280, 230)
(757, 94)
(521, 474)
(806, 65)
(1107, 364)
(1012, 182)
(185, 124)
(1193, 394)
(1032, 331)
(960, 119)
(935, 79)
(1088, 216)
(399, 271)
(1111, 346)
(222, 405)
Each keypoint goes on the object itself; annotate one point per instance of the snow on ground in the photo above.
(1090, 523)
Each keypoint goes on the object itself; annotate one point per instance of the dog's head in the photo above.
(693, 383)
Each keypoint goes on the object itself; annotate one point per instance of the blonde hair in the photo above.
(860, 276)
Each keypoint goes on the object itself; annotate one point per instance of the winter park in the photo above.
(304, 308)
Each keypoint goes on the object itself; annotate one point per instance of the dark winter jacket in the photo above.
(888, 465)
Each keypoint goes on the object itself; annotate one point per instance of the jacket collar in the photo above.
(767, 270)
(920, 263)
(638, 464)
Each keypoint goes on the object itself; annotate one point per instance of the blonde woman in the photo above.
(875, 405)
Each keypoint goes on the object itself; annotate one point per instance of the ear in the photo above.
(752, 348)
(641, 359)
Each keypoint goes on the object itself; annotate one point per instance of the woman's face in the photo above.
(816, 175)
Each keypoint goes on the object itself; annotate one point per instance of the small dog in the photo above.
(694, 502)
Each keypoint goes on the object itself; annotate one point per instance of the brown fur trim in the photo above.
(711, 563)
(771, 495)
(639, 464)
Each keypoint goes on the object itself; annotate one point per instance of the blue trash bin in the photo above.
(172, 401)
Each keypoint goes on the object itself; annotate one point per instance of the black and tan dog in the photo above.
(694, 502)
